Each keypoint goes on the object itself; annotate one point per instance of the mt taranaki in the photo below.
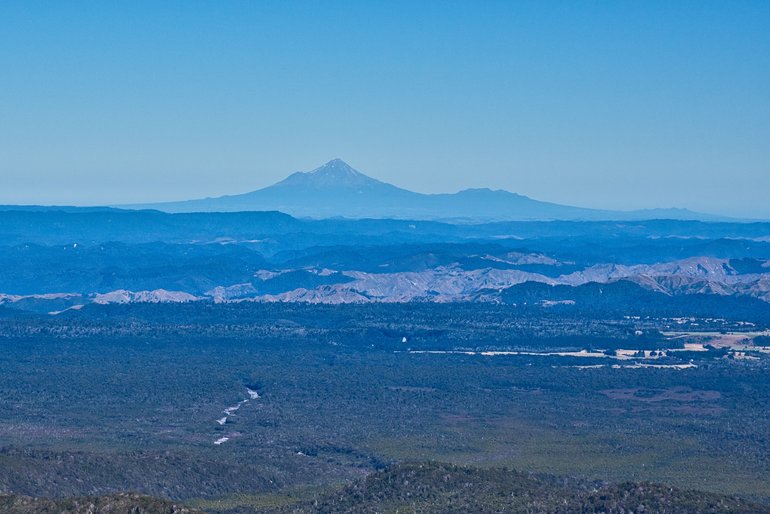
(337, 190)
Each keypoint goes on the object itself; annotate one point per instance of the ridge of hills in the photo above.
(445, 488)
(426, 487)
(63, 260)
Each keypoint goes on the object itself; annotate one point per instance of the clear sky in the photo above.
(607, 104)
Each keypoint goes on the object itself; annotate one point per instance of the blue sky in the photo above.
(598, 104)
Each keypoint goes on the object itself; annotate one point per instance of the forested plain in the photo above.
(129, 397)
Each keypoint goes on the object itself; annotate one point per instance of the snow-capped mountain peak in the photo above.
(334, 174)
(338, 190)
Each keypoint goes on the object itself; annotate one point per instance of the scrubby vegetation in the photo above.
(113, 504)
(426, 487)
(441, 488)
(129, 398)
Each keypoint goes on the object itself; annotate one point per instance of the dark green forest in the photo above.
(115, 398)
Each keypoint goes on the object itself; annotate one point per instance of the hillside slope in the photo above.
(112, 504)
(444, 488)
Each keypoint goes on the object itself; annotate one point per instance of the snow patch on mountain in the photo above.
(334, 174)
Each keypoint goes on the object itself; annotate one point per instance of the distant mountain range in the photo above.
(337, 190)
(58, 261)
